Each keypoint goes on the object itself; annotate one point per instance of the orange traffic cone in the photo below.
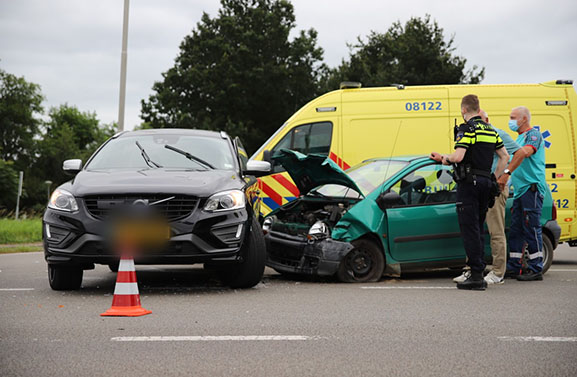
(126, 301)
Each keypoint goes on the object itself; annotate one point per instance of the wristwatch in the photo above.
(507, 171)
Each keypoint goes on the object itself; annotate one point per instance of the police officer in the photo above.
(476, 142)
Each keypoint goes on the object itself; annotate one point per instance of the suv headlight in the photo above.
(63, 200)
(225, 201)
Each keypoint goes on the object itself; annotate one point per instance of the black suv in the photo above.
(201, 184)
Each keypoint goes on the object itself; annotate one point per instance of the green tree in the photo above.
(68, 133)
(20, 103)
(8, 186)
(413, 54)
(81, 130)
(238, 72)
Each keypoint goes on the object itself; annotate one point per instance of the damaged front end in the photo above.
(298, 236)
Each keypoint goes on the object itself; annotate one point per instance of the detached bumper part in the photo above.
(296, 255)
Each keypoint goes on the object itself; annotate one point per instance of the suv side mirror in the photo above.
(72, 166)
(388, 199)
(257, 168)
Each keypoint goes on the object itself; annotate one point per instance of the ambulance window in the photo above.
(320, 138)
(301, 139)
(306, 139)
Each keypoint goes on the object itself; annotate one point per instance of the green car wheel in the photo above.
(365, 263)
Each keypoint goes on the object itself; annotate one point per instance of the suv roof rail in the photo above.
(119, 133)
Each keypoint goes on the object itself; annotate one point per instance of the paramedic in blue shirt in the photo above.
(527, 171)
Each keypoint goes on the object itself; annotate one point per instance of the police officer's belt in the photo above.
(482, 173)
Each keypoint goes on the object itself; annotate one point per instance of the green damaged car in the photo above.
(383, 216)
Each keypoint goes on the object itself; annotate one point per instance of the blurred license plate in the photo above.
(143, 231)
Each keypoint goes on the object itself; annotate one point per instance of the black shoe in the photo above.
(530, 276)
(475, 282)
(512, 274)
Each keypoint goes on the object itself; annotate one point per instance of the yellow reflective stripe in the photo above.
(486, 139)
(467, 140)
(459, 145)
(491, 133)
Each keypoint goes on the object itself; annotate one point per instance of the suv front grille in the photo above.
(177, 207)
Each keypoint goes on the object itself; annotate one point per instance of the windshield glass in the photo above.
(367, 175)
(124, 153)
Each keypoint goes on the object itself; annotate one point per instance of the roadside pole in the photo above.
(123, 59)
(19, 193)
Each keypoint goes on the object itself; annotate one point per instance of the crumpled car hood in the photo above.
(313, 170)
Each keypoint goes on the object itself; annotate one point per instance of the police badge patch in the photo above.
(459, 136)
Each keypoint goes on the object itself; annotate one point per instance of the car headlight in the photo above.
(267, 224)
(225, 201)
(319, 229)
(63, 200)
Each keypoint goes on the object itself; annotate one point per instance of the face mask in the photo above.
(513, 125)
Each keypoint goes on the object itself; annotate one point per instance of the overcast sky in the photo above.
(72, 48)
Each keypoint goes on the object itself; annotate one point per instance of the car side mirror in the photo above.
(72, 167)
(267, 156)
(388, 199)
(257, 168)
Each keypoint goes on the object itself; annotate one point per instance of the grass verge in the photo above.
(20, 249)
(20, 231)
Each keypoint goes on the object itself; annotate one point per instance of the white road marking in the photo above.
(563, 269)
(208, 338)
(408, 288)
(539, 338)
(16, 289)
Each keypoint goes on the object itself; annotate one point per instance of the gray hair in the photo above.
(523, 111)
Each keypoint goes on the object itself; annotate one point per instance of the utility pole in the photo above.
(20, 181)
(123, 68)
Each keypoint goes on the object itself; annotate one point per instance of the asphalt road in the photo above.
(420, 325)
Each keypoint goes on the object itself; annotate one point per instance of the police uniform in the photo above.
(474, 186)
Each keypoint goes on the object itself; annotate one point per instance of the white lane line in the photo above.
(563, 269)
(539, 338)
(407, 287)
(16, 289)
(208, 338)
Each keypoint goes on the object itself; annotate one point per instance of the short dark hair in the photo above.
(471, 103)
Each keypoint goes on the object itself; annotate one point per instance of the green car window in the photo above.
(429, 184)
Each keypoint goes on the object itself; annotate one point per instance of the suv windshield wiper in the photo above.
(190, 156)
(146, 157)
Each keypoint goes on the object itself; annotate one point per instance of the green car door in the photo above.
(423, 225)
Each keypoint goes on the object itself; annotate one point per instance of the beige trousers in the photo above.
(496, 225)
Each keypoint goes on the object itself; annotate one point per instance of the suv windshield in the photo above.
(125, 153)
(367, 175)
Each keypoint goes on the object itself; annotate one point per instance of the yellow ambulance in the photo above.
(353, 124)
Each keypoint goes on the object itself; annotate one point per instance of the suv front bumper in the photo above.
(79, 239)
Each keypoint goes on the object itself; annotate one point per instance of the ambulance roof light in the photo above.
(350, 85)
(564, 82)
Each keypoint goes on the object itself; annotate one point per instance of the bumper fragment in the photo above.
(298, 255)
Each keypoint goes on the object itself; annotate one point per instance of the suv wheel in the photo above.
(64, 278)
(248, 273)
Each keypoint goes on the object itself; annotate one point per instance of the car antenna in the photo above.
(392, 152)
